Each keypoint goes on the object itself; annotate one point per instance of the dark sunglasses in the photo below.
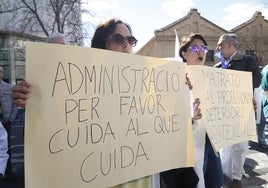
(120, 39)
(195, 49)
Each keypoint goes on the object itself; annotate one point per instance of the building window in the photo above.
(195, 27)
(260, 30)
(19, 49)
(3, 49)
(19, 55)
(3, 44)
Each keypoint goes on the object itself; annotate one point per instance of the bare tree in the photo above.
(42, 17)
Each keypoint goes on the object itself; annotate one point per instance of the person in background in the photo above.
(9, 106)
(8, 115)
(3, 152)
(208, 167)
(230, 58)
(56, 38)
(260, 118)
(264, 87)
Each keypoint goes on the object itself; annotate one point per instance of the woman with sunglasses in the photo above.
(193, 51)
(208, 165)
(114, 35)
(117, 36)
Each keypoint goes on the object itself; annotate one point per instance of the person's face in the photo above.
(196, 53)
(224, 48)
(125, 46)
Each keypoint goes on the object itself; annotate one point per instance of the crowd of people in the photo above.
(208, 172)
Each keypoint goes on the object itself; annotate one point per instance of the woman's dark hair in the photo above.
(104, 31)
(186, 41)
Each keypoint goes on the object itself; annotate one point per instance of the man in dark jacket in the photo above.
(231, 59)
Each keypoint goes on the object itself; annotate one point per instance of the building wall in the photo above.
(251, 35)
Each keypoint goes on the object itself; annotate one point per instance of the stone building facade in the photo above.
(251, 34)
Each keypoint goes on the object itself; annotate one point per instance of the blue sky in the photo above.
(146, 16)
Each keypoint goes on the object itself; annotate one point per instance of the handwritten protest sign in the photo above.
(226, 103)
(97, 118)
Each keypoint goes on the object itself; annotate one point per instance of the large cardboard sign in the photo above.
(97, 118)
(226, 103)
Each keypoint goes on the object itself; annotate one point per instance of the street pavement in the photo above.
(256, 165)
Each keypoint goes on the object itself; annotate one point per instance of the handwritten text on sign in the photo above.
(103, 117)
(226, 103)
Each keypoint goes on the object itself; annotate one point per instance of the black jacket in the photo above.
(245, 63)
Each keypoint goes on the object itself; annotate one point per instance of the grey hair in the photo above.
(229, 37)
(52, 36)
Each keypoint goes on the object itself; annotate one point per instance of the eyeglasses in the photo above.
(195, 49)
(120, 39)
